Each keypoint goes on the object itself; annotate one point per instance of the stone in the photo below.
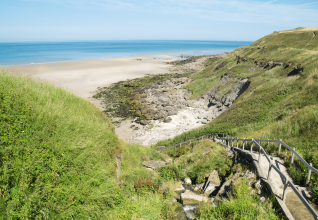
(253, 192)
(144, 122)
(187, 180)
(213, 178)
(190, 198)
(257, 184)
(167, 120)
(180, 188)
(249, 174)
(161, 148)
(198, 187)
(263, 199)
(209, 189)
(204, 121)
(163, 187)
(153, 164)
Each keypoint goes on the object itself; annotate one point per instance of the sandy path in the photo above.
(83, 77)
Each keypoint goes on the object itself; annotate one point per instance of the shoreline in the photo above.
(85, 76)
(95, 59)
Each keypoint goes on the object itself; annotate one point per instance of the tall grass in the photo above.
(57, 153)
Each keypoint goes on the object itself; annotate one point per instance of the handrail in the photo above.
(271, 165)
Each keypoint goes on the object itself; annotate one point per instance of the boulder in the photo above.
(190, 198)
(213, 178)
(153, 164)
(209, 189)
(257, 184)
(204, 121)
(144, 122)
(263, 199)
(167, 120)
(198, 187)
(187, 180)
(180, 188)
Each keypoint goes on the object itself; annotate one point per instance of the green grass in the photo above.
(265, 109)
(195, 160)
(241, 205)
(57, 158)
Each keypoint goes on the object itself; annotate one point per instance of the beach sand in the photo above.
(83, 77)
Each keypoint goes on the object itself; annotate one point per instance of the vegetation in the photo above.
(57, 158)
(195, 160)
(57, 155)
(281, 101)
(121, 98)
(241, 205)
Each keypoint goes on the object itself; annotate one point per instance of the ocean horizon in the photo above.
(29, 53)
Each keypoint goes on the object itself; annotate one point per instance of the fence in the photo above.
(287, 182)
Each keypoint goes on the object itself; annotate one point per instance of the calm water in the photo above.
(44, 52)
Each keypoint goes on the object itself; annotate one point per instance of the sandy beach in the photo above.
(83, 77)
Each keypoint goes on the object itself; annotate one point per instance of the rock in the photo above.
(187, 180)
(253, 192)
(189, 198)
(153, 164)
(189, 211)
(198, 187)
(144, 122)
(257, 184)
(249, 174)
(204, 121)
(213, 178)
(263, 199)
(209, 189)
(163, 187)
(167, 120)
(180, 188)
(161, 148)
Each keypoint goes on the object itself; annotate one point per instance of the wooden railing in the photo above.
(287, 182)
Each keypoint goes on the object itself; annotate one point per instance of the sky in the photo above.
(80, 20)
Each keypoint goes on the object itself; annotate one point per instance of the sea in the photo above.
(30, 53)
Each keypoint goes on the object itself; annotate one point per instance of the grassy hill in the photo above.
(281, 101)
(57, 158)
(57, 151)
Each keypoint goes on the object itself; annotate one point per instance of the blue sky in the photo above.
(68, 20)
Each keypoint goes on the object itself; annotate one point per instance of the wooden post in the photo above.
(237, 142)
(308, 175)
(292, 159)
(190, 141)
(252, 145)
(259, 155)
(269, 172)
(243, 143)
(180, 144)
(280, 146)
(284, 192)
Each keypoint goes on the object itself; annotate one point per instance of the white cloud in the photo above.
(246, 11)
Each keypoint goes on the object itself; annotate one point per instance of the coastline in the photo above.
(85, 76)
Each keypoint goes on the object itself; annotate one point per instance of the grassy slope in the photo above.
(275, 105)
(57, 158)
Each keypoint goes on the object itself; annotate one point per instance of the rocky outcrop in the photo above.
(153, 164)
(212, 182)
(190, 198)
